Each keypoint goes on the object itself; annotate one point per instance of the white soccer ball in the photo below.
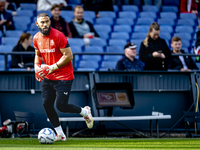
(46, 136)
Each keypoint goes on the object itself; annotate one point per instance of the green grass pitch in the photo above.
(101, 144)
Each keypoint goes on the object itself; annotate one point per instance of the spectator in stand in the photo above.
(154, 51)
(23, 45)
(129, 62)
(59, 22)
(11, 6)
(6, 18)
(79, 27)
(182, 63)
(98, 5)
(188, 6)
(157, 3)
(47, 4)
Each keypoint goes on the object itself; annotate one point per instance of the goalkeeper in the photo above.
(57, 73)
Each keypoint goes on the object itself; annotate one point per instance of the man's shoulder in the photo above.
(36, 36)
(56, 32)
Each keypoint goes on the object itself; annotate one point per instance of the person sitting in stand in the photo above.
(59, 22)
(23, 45)
(6, 19)
(182, 63)
(129, 62)
(79, 27)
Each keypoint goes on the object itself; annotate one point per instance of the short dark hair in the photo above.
(55, 6)
(176, 39)
(42, 15)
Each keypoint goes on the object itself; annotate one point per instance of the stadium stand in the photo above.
(115, 28)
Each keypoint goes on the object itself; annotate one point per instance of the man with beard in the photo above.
(57, 73)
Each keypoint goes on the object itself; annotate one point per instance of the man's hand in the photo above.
(37, 76)
(46, 70)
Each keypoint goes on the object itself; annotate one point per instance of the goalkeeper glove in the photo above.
(37, 76)
(46, 70)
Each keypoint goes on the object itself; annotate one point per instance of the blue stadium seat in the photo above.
(97, 58)
(127, 14)
(172, 2)
(141, 28)
(164, 21)
(120, 35)
(76, 42)
(150, 8)
(145, 21)
(102, 28)
(94, 49)
(104, 35)
(185, 29)
(21, 22)
(1, 34)
(125, 21)
(28, 6)
(9, 41)
(148, 15)
(138, 35)
(77, 2)
(68, 13)
(138, 43)
(171, 15)
(6, 48)
(105, 21)
(184, 36)
(117, 42)
(34, 27)
(89, 14)
(185, 49)
(98, 42)
(14, 33)
(89, 64)
(89, 19)
(107, 14)
(27, 13)
(44, 11)
(70, 18)
(188, 16)
(130, 8)
(168, 29)
(165, 35)
(32, 32)
(108, 64)
(115, 49)
(76, 49)
(186, 43)
(2, 65)
(187, 22)
(122, 28)
(112, 57)
(170, 9)
(115, 8)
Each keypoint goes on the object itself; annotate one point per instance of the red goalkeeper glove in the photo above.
(37, 76)
(46, 70)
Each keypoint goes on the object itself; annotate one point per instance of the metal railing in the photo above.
(74, 60)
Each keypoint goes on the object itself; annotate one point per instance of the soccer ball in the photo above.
(46, 136)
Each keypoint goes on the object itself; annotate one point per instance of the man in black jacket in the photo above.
(182, 63)
(79, 27)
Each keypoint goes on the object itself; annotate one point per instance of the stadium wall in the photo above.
(168, 92)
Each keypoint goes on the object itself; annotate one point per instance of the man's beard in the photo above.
(45, 32)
